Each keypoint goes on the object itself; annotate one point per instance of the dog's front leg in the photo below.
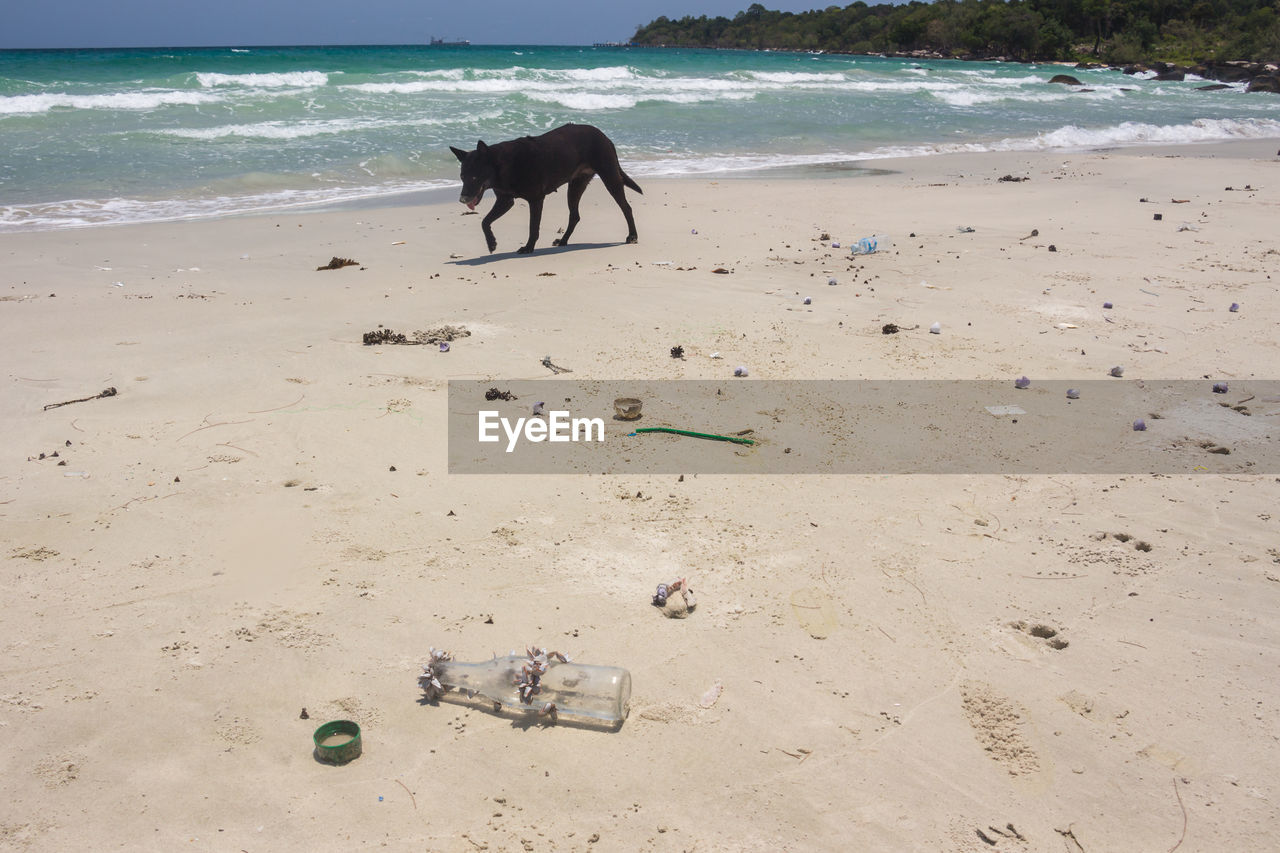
(501, 206)
(535, 220)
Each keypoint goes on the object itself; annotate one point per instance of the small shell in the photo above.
(935, 329)
(712, 695)
(832, 282)
(1117, 371)
(1139, 425)
(1022, 383)
(739, 371)
(808, 300)
(1106, 305)
(1235, 306)
(1073, 394)
(1219, 387)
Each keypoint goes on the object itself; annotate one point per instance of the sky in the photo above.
(190, 23)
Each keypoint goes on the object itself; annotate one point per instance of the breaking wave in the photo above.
(136, 101)
(277, 80)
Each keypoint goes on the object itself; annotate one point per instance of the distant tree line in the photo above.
(1116, 32)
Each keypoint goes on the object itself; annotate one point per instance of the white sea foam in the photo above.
(790, 77)
(327, 127)
(969, 97)
(79, 213)
(729, 163)
(612, 91)
(622, 88)
(408, 88)
(617, 72)
(1070, 138)
(442, 73)
(586, 101)
(589, 101)
(280, 80)
(1138, 133)
(266, 130)
(147, 99)
(1075, 138)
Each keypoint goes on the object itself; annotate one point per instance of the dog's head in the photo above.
(477, 173)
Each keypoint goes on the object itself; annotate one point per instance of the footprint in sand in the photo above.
(998, 724)
(1175, 761)
(235, 730)
(1050, 636)
(1138, 544)
(59, 770)
(351, 708)
(814, 611)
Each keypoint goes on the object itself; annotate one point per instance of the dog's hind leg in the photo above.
(501, 206)
(576, 188)
(535, 220)
(613, 183)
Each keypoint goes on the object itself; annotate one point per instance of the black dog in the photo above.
(531, 167)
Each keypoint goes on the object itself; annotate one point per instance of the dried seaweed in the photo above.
(385, 336)
(439, 334)
(106, 392)
(337, 263)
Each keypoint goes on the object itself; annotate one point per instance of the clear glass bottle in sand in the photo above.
(542, 682)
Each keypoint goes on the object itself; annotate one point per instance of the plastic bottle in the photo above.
(868, 245)
(586, 692)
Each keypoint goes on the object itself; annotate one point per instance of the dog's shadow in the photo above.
(542, 252)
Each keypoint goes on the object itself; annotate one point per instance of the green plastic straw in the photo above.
(735, 439)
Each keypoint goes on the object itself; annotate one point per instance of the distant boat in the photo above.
(435, 42)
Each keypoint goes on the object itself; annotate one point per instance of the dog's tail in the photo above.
(626, 180)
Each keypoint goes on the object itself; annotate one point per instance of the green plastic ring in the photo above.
(341, 751)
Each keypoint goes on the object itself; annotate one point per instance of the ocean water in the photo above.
(97, 137)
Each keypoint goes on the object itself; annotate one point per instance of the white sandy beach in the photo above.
(954, 663)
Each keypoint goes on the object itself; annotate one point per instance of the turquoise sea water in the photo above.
(106, 136)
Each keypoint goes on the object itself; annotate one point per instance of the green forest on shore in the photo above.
(1114, 32)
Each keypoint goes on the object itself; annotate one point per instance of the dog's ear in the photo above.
(481, 148)
(459, 153)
